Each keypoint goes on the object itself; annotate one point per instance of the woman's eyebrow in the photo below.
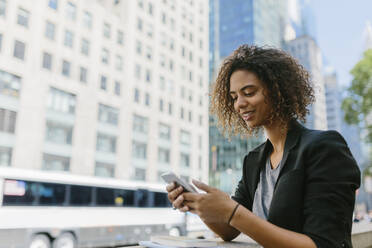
(244, 88)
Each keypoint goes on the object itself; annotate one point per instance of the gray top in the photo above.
(265, 189)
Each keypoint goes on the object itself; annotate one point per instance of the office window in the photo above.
(106, 30)
(85, 45)
(150, 29)
(185, 138)
(87, 19)
(163, 155)
(170, 109)
(185, 159)
(139, 174)
(104, 170)
(71, 11)
(200, 142)
(3, 8)
(120, 37)
(8, 120)
(61, 101)
(66, 68)
(47, 61)
(105, 56)
(106, 143)
(23, 17)
(69, 38)
(162, 60)
(19, 50)
(139, 24)
(119, 63)
(140, 124)
(172, 24)
(148, 75)
(58, 133)
(5, 156)
(147, 99)
(117, 88)
(139, 150)
(200, 120)
(10, 84)
(103, 84)
(1, 41)
(200, 62)
(171, 44)
(171, 65)
(190, 56)
(108, 115)
(182, 113)
(138, 47)
(136, 96)
(55, 163)
(151, 9)
(190, 116)
(50, 30)
(83, 74)
(163, 18)
(161, 105)
(164, 131)
(149, 53)
(162, 83)
(53, 4)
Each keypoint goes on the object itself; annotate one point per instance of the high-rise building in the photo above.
(305, 49)
(105, 88)
(368, 36)
(233, 23)
(333, 102)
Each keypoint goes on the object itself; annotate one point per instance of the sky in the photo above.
(340, 26)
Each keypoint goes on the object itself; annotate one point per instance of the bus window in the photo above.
(161, 200)
(18, 192)
(80, 195)
(52, 194)
(141, 198)
(124, 197)
(105, 197)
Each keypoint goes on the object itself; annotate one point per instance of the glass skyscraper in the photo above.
(233, 23)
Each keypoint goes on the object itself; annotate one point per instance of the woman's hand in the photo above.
(174, 193)
(213, 206)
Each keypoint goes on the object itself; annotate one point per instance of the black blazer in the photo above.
(315, 190)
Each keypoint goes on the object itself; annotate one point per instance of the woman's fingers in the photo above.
(170, 187)
(178, 203)
(172, 195)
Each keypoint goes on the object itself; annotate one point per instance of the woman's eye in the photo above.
(249, 93)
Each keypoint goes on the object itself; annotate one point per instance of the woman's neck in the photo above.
(277, 134)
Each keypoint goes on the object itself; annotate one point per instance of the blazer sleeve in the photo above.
(332, 177)
(242, 195)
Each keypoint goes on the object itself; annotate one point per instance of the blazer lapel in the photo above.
(290, 142)
(256, 160)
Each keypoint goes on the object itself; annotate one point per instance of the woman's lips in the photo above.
(247, 116)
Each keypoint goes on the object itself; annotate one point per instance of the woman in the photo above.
(297, 188)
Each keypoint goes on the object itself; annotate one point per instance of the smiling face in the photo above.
(247, 93)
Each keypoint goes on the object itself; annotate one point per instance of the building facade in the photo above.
(233, 23)
(307, 52)
(106, 88)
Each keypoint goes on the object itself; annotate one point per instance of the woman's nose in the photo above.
(241, 102)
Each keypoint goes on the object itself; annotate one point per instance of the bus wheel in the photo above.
(40, 241)
(65, 240)
(175, 231)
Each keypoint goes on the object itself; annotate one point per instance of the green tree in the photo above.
(358, 104)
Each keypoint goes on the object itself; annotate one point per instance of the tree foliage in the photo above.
(358, 105)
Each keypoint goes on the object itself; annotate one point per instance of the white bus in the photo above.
(44, 209)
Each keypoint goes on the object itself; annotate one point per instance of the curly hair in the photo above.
(287, 87)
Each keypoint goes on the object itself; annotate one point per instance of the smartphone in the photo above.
(170, 177)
